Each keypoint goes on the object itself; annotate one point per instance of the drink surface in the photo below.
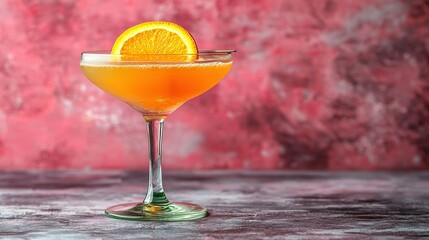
(156, 88)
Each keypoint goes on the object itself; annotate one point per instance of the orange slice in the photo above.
(155, 38)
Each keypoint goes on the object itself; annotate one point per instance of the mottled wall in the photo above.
(316, 84)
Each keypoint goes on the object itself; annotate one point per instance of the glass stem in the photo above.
(155, 193)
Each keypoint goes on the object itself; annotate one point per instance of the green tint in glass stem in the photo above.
(155, 86)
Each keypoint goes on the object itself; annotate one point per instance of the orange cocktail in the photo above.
(155, 67)
(155, 88)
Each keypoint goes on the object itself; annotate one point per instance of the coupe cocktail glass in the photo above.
(155, 85)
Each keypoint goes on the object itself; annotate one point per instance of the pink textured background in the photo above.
(315, 85)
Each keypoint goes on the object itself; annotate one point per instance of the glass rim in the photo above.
(202, 52)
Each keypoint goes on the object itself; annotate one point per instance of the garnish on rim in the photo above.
(156, 38)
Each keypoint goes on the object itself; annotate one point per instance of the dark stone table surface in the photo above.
(250, 205)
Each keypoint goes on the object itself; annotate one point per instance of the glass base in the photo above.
(148, 212)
